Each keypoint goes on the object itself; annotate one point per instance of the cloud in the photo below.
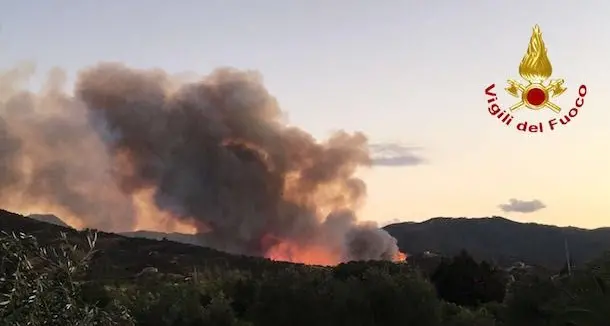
(522, 206)
(390, 154)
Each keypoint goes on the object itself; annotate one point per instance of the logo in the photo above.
(537, 92)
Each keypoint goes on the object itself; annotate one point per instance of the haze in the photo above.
(400, 71)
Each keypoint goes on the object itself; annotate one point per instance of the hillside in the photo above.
(494, 239)
(193, 285)
(49, 218)
(176, 237)
(502, 240)
(121, 256)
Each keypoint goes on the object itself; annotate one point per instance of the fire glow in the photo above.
(136, 150)
(287, 251)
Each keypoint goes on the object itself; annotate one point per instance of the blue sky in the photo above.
(407, 71)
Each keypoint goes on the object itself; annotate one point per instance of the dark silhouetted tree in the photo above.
(465, 282)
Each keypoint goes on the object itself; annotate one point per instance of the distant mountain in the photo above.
(495, 239)
(176, 237)
(49, 218)
(502, 240)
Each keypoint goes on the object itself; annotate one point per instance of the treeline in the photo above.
(51, 285)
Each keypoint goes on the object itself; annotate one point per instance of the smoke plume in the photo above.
(136, 149)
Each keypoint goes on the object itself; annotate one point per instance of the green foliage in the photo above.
(465, 282)
(53, 284)
(373, 294)
(42, 285)
(183, 304)
(454, 315)
(578, 299)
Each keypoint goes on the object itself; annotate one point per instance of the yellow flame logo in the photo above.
(535, 66)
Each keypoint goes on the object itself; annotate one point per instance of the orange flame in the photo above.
(150, 218)
(288, 251)
(399, 257)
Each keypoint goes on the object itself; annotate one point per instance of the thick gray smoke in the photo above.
(213, 153)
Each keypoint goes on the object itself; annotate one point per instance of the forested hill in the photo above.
(122, 256)
(502, 240)
(494, 239)
(109, 279)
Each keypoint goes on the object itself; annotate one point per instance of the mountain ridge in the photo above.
(502, 240)
(49, 218)
(495, 238)
(494, 217)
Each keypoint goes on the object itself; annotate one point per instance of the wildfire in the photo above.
(150, 218)
(115, 159)
(288, 251)
(399, 257)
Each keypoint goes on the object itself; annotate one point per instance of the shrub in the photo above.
(42, 285)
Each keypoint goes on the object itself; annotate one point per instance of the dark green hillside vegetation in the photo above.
(122, 257)
(501, 240)
(496, 239)
(51, 275)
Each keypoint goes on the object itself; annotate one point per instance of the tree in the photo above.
(44, 285)
(465, 282)
(454, 315)
(528, 301)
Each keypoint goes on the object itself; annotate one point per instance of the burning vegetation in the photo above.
(135, 149)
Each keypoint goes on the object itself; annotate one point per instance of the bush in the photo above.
(465, 282)
(44, 285)
(52, 285)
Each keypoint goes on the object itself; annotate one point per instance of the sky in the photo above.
(411, 72)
